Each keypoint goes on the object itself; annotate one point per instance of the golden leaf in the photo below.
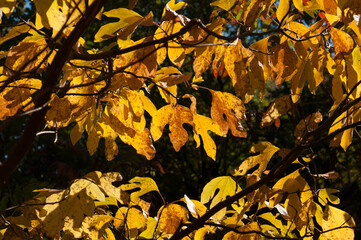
(175, 116)
(217, 190)
(144, 184)
(334, 218)
(325, 195)
(266, 151)
(228, 110)
(282, 9)
(128, 22)
(236, 60)
(283, 61)
(224, 4)
(148, 233)
(27, 56)
(170, 217)
(17, 96)
(96, 225)
(59, 113)
(276, 109)
(104, 182)
(15, 31)
(50, 15)
(264, 59)
(132, 217)
(251, 227)
(342, 41)
(309, 124)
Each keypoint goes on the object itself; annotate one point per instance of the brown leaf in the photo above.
(276, 109)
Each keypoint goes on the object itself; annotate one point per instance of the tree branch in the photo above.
(50, 80)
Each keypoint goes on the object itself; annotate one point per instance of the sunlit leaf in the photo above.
(266, 151)
(338, 222)
(170, 217)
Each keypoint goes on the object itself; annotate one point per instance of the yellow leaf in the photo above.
(217, 190)
(148, 233)
(228, 110)
(326, 195)
(236, 60)
(59, 113)
(7, 6)
(264, 59)
(276, 109)
(196, 208)
(202, 125)
(128, 22)
(342, 41)
(175, 116)
(266, 151)
(26, 57)
(308, 124)
(104, 181)
(224, 4)
(283, 61)
(251, 227)
(144, 184)
(132, 217)
(17, 96)
(96, 225)
(15, 31)
(282, 9)
(170, 217)
(49, 15)
(335, 219)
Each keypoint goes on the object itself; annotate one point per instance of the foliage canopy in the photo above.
(138, 77)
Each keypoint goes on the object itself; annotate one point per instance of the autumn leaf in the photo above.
(17, 96)
(266, 151)
(217, 190)
(283, 61)
(128, 22)
(334, 218)
(309, 124)
(170, 217)
(276, 109)
(27, 56)
(144, 184)
(343, 42)
(175, 116)
(228, 110)
(325, 195)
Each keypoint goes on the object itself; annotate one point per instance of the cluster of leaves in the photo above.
(93, 208)
(52, 76)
